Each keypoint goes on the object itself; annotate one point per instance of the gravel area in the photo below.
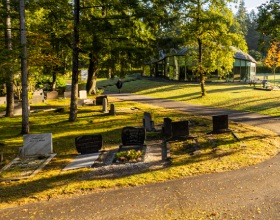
(104, 168)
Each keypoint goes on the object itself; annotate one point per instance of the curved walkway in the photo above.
(248, 193)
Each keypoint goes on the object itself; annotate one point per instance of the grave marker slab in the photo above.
(105, 105)
(133, 136)
(220, 123)
(99, 99)
(148, 123)
(167, 127)
(180, 129)
(38, 96)
(2, 100)
(81, 161)
(83, 94)
(52, 95)
(88, 144)
(112, 110)
(67, 94)
(34, 144)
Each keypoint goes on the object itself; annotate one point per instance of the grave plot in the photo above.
(133, 145)
(36, 153)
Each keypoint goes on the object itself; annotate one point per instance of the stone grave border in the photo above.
(37, 170)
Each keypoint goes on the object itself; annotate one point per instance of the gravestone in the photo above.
(67, 94)
(52, 95)
(167, 128)
(105, 105)
(36, 144)
(99, 99)
(38, 96)
(147, 122)
(220, 123)
(112, 110)
(133, 136)
(83, 94)
(88, 144)
(2, 100)
(180, 129)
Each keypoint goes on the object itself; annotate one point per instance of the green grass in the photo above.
(224, 152)
(229, 96)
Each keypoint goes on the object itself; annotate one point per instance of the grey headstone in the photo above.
(112, 110)
(167, 128)
(2, 100)
(67, 94)
(52, 95)
(105, 105)
(37, 144)
(220, 123)
(83, 94)
(180, 129)
(147, 122)
(38, 96)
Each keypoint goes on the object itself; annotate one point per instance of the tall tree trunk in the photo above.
(92, 72)
(75, 64)
(200, 69)
(24, 78)
(54, 81)
(10, 81)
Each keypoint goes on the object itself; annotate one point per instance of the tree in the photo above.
(269, 23)
(24, 78)
(272, 59)
(207, 29)
(242, 17)
(10, 81)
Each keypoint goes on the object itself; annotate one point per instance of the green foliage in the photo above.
(45, 82)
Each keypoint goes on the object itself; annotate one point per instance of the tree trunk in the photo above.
(200, 69)
(10, 82)
(54, 81)
(24, 78)
(75, 65)
(92, 72)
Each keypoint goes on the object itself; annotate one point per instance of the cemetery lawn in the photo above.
(217, 153)
(238, 96)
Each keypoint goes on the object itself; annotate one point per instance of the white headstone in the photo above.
(2, 100)
(83, 94)
(37, 144)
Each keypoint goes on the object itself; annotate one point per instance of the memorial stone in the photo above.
(83, 94)
(88, 144)
(147, 122)
(52, 95)
(133, 136)
(112, 110)
(220, 123)
(67, 94)
(105, 105)
(180, 129)
(167, 128)
(38, 96)
(34, 144)
(99, 99)
(2, 100)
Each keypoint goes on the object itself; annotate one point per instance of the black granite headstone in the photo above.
(99, 99)
(133, 136)
(167, 129)
(180, 129)
(88, 144)
(220, 123)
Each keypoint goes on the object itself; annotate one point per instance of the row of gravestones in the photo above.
(181, 128)
(39, 95)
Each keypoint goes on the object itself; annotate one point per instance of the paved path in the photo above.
(248, 193)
